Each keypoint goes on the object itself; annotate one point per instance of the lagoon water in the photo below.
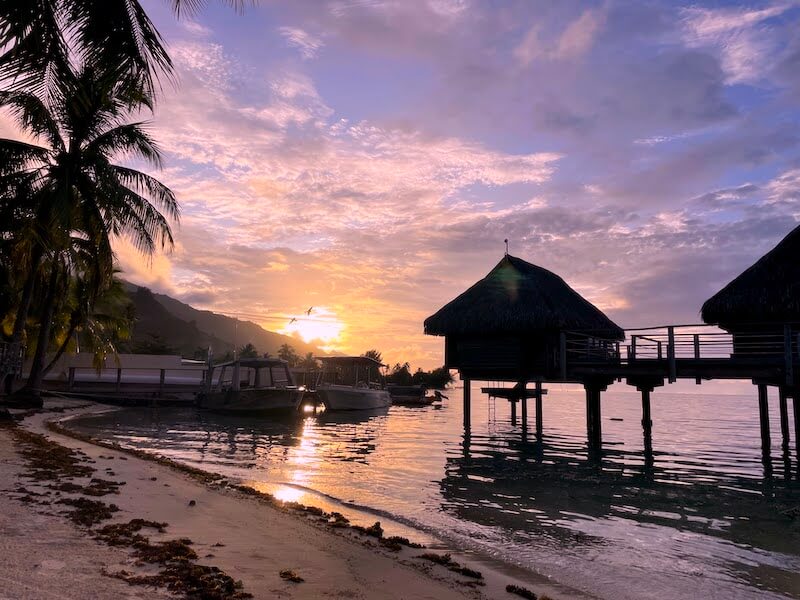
(703, 519)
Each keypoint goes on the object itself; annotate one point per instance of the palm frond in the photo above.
(131, 140)
(16, 156)
(119, 39)
(158, 193)
(32, 116)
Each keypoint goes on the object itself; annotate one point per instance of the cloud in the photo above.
(575, 40)
(625, 146)
(307, 44)
(741, 36)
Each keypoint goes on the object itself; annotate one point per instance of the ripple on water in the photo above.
(701, 520)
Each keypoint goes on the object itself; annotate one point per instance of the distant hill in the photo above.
(163, 319)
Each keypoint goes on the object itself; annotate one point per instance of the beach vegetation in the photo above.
(248, 351)
(69, 199)
(289, 354)
(374, 355)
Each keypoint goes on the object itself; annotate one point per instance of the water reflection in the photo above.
(696, 514)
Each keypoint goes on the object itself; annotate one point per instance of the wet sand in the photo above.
(244, 536)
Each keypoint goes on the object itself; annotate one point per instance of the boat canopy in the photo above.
(255, 363)
(362, 361)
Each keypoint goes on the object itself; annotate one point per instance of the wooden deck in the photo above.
(655, 356)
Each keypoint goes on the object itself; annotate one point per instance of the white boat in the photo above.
(251, 385)
(346, 383)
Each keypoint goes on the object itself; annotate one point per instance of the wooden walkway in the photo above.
(652, 357)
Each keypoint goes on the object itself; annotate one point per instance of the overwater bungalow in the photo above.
(515, 324)
(761, 307)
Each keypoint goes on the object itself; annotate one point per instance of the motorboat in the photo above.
(346, 383)
(251, 385)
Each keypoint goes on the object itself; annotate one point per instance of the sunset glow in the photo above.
(322, 326)
(644, 152)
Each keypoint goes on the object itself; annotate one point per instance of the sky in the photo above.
(366, 159)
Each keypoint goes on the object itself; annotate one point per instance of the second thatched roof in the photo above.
(767, 292)
(517, 297)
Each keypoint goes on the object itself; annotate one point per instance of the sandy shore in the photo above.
(244, 536)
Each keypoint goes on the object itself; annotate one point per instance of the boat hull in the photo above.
(265, 400)
(341, 397)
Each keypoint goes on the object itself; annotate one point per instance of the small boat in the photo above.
(345, 383)
(251, 385)
(411, 395)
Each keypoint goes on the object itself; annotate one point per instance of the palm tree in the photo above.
(42, 38)
(374, 355)
(288, 353)
(309, 363)
(99, 314)
(75, 195)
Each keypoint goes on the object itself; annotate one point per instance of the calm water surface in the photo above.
(702, 519)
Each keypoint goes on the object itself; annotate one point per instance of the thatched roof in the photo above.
(769, 291)
(518, 297)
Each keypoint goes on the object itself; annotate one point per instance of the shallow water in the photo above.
(701, 518)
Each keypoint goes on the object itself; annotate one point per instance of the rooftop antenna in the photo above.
(506, 241)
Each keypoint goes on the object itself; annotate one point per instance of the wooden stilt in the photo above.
(539, 408)
(647, 421)
(763, 414)
(593, 418)
(598, 427)
(524, 413)
(784, 409)
(796, 406)
(589, 418)
(467, 403)
(514, 412)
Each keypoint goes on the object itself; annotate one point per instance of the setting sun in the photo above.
(320, 325)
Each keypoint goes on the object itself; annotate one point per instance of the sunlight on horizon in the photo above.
(320, 325)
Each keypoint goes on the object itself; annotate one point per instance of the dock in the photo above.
(656, 356)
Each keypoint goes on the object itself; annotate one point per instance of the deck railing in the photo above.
(671, 344)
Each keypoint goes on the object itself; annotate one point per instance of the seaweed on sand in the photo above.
(290, 575)
(521, 592)
(447, 561)
(89, 512)
(127, 534)
(200, 582)
(48, 460)
(374, 530)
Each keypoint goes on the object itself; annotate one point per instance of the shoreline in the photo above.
(334, 557)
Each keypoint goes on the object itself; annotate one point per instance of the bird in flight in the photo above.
(310, 308)
(293, 320)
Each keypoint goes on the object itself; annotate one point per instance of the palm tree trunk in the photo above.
(24, 308)
(27, 295)
(63, 348)
(33, 387)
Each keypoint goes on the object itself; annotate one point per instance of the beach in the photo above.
(248, 537)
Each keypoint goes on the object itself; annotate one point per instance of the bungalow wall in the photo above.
(510, 358)
(762, 341)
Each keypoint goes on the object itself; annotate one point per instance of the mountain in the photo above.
(164, 321)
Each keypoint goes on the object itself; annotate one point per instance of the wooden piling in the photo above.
(514, 412)
(763, 414)
(466, 404)
(647, 421)
(594, 430)
(784, 410)
(119, 380)
(539, 408)
(796, 406)
(524, 401)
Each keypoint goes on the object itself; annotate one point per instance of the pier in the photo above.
(656, 356)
